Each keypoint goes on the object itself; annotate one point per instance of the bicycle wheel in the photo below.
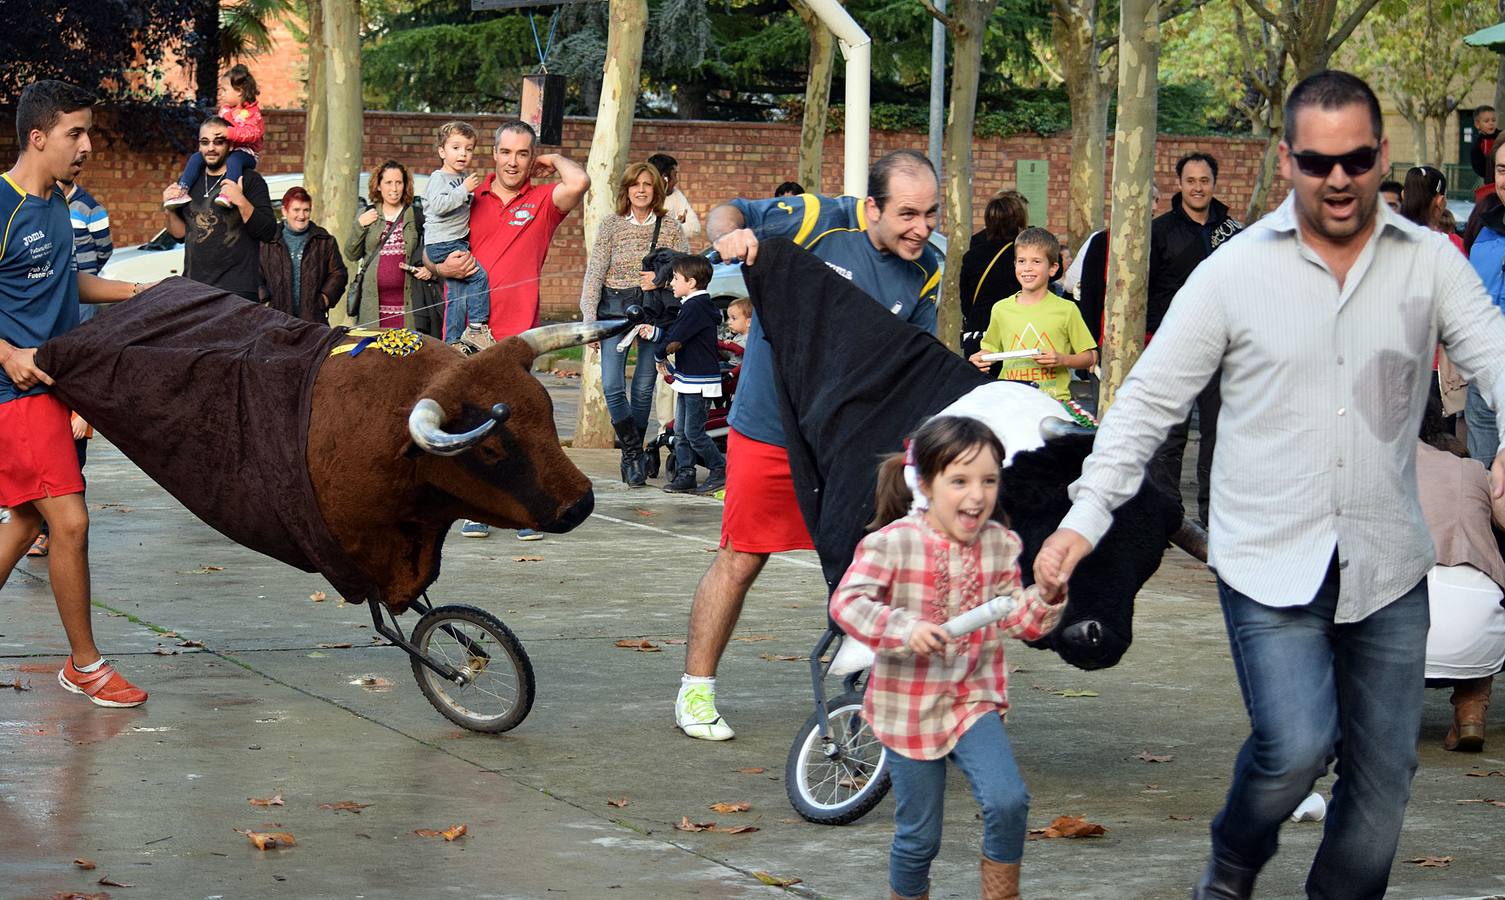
(839, 779)
(495, 689)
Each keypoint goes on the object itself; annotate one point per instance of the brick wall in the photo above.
(717, 160)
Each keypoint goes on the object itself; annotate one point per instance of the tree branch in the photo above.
(1179, 8)
(950, 23)
(1338, 37)
(1258, 8)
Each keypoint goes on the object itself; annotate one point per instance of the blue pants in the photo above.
(984, 756)
(466, 299)
(614, 381)
(236, 163)
(1483, 438)
(690, 438)
(1316, 690)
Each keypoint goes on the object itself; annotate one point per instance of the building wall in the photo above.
(718, 160)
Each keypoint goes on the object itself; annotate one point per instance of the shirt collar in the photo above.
(652, 217)
(1283, 220)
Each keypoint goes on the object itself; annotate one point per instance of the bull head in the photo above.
(426, 422)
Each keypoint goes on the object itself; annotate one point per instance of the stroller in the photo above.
(716, 415)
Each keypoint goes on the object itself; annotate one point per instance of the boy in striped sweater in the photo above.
(696, 373)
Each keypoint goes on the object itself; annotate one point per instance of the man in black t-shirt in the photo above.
(220, 245)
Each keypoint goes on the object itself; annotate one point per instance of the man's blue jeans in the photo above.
(690, 438)
(984, 756)
(1483, 438)
(614, 381)
(468, 299)
(1316, 690)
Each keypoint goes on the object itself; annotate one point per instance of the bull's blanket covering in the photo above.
(855, 381)
(210, 395)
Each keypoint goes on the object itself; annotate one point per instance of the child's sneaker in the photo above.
(104, 686)
(181, 198)
(695, 714)
(39, 546)
(713, 483)
(682, 483)
(478, 336)
(222, 200)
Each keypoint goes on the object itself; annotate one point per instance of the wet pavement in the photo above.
(271, 705)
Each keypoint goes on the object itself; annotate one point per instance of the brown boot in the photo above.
(1470, 703)
(895, 895)
(1000, 881)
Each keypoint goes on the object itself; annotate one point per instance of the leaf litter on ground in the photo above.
(449, 834)
(274, 800)
(1067, 827)
(345, 806)
(642, 645)
(267, 840)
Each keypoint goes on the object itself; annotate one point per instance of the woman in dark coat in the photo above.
(391, 287)
(305, 257)
(988, 266)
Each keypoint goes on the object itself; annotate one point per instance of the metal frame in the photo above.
(818, 669)
(393, 633)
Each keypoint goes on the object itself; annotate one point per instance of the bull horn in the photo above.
(1051, 427)
(548, 338)
(1192, 538)
(426, 427)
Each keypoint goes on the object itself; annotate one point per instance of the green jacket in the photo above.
(422, 300)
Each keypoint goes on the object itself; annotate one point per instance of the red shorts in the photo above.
(761, 514)
(37, 456)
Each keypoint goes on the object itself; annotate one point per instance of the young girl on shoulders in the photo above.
(238, 106)
(932, 697)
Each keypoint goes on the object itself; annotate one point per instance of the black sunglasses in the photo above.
(1355, 162)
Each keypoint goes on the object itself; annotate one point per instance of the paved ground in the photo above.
(153, 795)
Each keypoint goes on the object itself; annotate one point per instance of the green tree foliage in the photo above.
(458, 67)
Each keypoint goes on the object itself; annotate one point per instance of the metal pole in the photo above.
(857, 49)
(937, 86)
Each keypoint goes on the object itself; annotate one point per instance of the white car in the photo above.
(162, 256)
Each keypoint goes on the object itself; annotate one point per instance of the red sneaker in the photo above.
(104, 686)
(39, 546)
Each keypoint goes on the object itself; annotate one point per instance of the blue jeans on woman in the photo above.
(690, 438)
(1315, 690)
(984, 756)
(468, 298)
(614, 381)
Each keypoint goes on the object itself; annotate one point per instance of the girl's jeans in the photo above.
(614, 381)
(984, 756)
(236, 163)
(466, 299)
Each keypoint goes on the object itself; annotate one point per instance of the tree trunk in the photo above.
(817, 97)
(342, 166)
(968, 19)
(608, 158)
(1133, 172)
(1076, 47)
(1264, 179)
(315, 103)
(206, 61)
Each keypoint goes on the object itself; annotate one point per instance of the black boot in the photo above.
(713, 482)
(683, 483)
(1222, 881)
(630, 438)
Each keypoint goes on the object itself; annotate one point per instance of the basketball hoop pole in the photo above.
(857, 50)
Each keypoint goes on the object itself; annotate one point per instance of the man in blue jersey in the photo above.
(881, 244)
(40, 289)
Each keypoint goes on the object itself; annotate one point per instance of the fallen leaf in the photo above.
(75, 895)
(449, 834)
(163, 651)
(527, 559)
(1073, 692)
(729, 807)
(339, 646)
(274, 800)
(1431, 862)
(168, 634)
(642, 645)
(1175, 818)
(18, 686)
(318, 596)
(345, 806)
(645, 513)
(619, 804)
(1067, 827)
(675, 641)
(684, 824)
(775, 880)
(85, 864)
(753, 770)
(1147, 756)
(266, 840)
(772, 657)
(205, 570)
(107, 881)
(752, 638)
(190, 643)
(1485, 774)
(736, 829)
(374, 682)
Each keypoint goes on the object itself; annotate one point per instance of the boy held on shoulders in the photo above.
(1035, 319)
(696, 373)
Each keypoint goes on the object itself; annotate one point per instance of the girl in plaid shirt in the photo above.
(931, 697)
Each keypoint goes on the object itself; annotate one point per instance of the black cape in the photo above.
(854, 379)
(210, 395)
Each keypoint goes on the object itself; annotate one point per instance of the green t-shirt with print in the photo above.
(1052, 324)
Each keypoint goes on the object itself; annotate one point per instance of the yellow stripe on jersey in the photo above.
(935, 279)
(812, 212)
(817, 239)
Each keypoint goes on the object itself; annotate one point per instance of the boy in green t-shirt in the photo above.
(1035, 319)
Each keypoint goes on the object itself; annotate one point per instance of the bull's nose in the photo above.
(573, 516)
(1088, 645)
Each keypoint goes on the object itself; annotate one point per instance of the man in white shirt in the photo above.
(1323, 316)
(677, 204)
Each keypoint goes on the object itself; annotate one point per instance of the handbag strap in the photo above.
(381, 242)
(983, 280)
(658, 224)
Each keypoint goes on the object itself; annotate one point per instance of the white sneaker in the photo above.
(695, 714)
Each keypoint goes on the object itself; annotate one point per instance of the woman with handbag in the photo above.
(614, 280)
(391, 287)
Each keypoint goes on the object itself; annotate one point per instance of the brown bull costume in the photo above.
(303, 443)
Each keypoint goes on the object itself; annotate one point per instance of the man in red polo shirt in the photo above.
(512, 221)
